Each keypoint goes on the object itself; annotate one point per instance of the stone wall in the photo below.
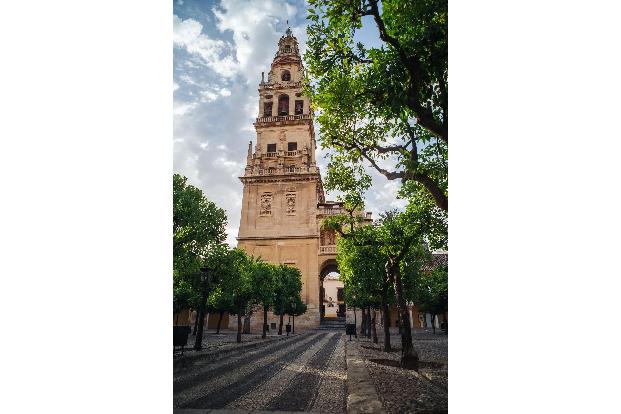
(309, 320)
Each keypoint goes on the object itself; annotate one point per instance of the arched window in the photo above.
(286, 76)
(283, 105)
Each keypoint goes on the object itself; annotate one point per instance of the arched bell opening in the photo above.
(283, 105)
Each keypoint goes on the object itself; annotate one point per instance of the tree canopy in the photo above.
(198, 226)
(287, 287)
(362, 268)
(383, 103)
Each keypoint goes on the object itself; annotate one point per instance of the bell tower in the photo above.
(282, 184)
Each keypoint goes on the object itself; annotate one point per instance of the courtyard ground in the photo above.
(226, 339)
(305, 372)
(406, 391)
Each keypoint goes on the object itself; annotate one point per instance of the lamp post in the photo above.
(205, 281)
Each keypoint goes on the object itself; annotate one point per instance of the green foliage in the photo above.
(184, 297)
(296, 307)
(227, 265)
(287, 288)
(235, 280)
(432, 291)
(239, 286)
(198, 226)
(386, 103)
(263, 277)
(362, 267)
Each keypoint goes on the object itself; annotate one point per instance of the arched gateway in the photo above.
(283, 204)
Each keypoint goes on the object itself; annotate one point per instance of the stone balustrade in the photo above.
(331, 211)
(282, 118)
(327, 249)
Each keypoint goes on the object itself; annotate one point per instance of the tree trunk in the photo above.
(280, 324)
(177, 319)
(247, 322)
(219, 321)
(355, 323)
(362, 321)
(373, 328)
(409, 356)
(369, 322)
(386, 316)
(264, 322)
(239, 325)
(433, 322)
(293, 327)
(195, 324)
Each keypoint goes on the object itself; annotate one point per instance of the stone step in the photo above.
(330, 328)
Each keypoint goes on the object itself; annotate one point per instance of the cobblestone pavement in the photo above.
(224, 340)
(406, 391)
(305, 372)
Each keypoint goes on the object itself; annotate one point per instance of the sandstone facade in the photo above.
(283, 198)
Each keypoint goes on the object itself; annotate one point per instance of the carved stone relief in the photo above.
(266, 204)
(327, 238)
(290, 199)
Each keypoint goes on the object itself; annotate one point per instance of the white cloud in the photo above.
(254, 32)
(208, 96)
(218, 64)
(183, 108)
(213, 52)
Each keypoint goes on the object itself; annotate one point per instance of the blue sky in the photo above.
(220, 49)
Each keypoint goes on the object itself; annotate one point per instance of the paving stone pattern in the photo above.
(226, 339)
(305, 372)
(407, 391)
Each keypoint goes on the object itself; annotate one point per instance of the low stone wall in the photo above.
(361, 392)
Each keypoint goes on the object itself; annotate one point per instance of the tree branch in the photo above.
(425, 115)
(436, 192)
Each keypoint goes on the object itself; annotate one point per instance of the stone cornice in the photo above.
(252, 179)
(276, 239)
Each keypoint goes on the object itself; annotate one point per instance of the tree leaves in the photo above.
(388, 102)
(198, 226)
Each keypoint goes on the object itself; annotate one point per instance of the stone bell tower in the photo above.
(282, 185)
